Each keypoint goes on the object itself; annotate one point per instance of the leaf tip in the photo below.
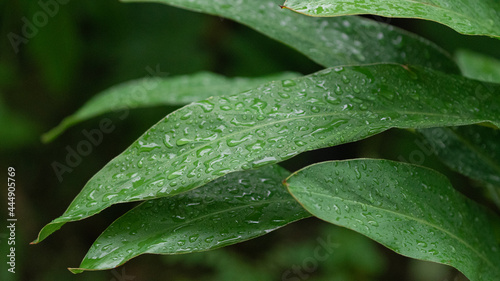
(50, 135)
(47, 230)
(75, 270)
(45, 139)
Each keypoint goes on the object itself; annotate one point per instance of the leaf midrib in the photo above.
(408, 217)
(245, 130)
(203, 144)
(213, 214)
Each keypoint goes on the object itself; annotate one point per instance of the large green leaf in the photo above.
(480, 17)
(155, 91)
(232, 209)
(205, 140)
(409, 209)
(329, 42)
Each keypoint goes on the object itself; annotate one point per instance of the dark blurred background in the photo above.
(88, 46)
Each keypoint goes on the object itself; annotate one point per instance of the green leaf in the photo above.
(471, 150)
(412, 210)
(234, 208)
(208, 139)
(329, 42)
(480, 17)
(479, 66)
(155, 91)
(353, 44)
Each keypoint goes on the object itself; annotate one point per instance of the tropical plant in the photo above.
(208, 172)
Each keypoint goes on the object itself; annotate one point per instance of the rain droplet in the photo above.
(206, 105)
(193, 238)
(288, 83)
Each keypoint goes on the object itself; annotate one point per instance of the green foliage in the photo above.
(275, 122)
(231, 209)
(155, 91)
(468, 17)
(207, 171)
(328, 42)
(409, 209)
(472, 150)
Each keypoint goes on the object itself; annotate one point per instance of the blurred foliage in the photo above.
(87, 46)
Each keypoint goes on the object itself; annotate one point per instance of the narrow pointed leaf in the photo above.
(412, 210)
(229, 210)
(208, 139)
(480, 17)
(329, 42)
(156, 91)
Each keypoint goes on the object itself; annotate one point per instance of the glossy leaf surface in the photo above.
(480, 17)
(156, 91)
(231, 209)
(409, 209)
(328, 41)
(208, 139)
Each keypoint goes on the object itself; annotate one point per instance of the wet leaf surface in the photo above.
(156, 91)
(409, 209)
(480, 17)
(229, 210)
(208, 139)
